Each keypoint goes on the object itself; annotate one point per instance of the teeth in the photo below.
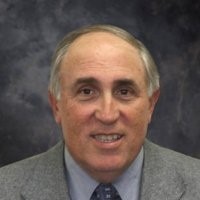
(107, 138)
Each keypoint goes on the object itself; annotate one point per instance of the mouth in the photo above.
(107, 138)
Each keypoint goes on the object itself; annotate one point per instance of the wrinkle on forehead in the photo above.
(101, 52)
(98, 43)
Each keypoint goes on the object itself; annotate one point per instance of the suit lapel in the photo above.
(160, 179)
(47, 181)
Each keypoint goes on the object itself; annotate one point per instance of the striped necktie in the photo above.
(105, 192)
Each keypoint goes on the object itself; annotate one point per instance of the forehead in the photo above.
(96, 40)
(101, 53)
(101, 45)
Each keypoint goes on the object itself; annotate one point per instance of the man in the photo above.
(103, 89)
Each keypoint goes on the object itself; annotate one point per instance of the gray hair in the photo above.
(149, 64)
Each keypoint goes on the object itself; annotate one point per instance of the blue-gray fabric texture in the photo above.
(30, 30)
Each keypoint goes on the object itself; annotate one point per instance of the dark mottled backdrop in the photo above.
(29, 31)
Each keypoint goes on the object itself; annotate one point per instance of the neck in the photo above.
(105, 177)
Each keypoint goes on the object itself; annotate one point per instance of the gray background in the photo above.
(29, 32)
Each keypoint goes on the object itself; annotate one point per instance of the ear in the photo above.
(54, 106)
(152, 102)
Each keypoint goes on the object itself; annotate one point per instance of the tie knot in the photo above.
(105, 192)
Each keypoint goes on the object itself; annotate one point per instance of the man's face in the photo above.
(104, 108)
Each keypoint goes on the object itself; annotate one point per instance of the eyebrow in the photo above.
(124, 82)
(119, 82)
(127, 82)
(85, 80)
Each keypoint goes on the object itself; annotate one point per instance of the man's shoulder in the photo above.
(170, 161)
(173, 173)
(171, 157)
(21, 167)
(15, 175)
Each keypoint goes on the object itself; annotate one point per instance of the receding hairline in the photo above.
(74, 36)
(76, 42)
(63, 47)
(130, 44)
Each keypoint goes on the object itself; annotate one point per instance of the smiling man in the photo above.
(103, 88)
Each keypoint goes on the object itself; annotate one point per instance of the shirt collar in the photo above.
(81, 185)
(128, 184)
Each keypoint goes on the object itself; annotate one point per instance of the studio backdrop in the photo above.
(29, 32)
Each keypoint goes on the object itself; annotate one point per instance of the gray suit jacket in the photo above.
(167, 175)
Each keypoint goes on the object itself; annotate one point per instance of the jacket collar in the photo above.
(47, 181)
(160, 179)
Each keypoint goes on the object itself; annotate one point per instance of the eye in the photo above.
(125, 93)
(87, 93)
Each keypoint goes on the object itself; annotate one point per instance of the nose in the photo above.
(108, 110)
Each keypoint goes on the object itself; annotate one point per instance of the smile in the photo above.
(107, 138)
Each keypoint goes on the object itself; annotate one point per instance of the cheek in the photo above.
(79, 113)
(137, 114)
(76, 126)
(75, 118)
(72, 122)
(136, 120)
